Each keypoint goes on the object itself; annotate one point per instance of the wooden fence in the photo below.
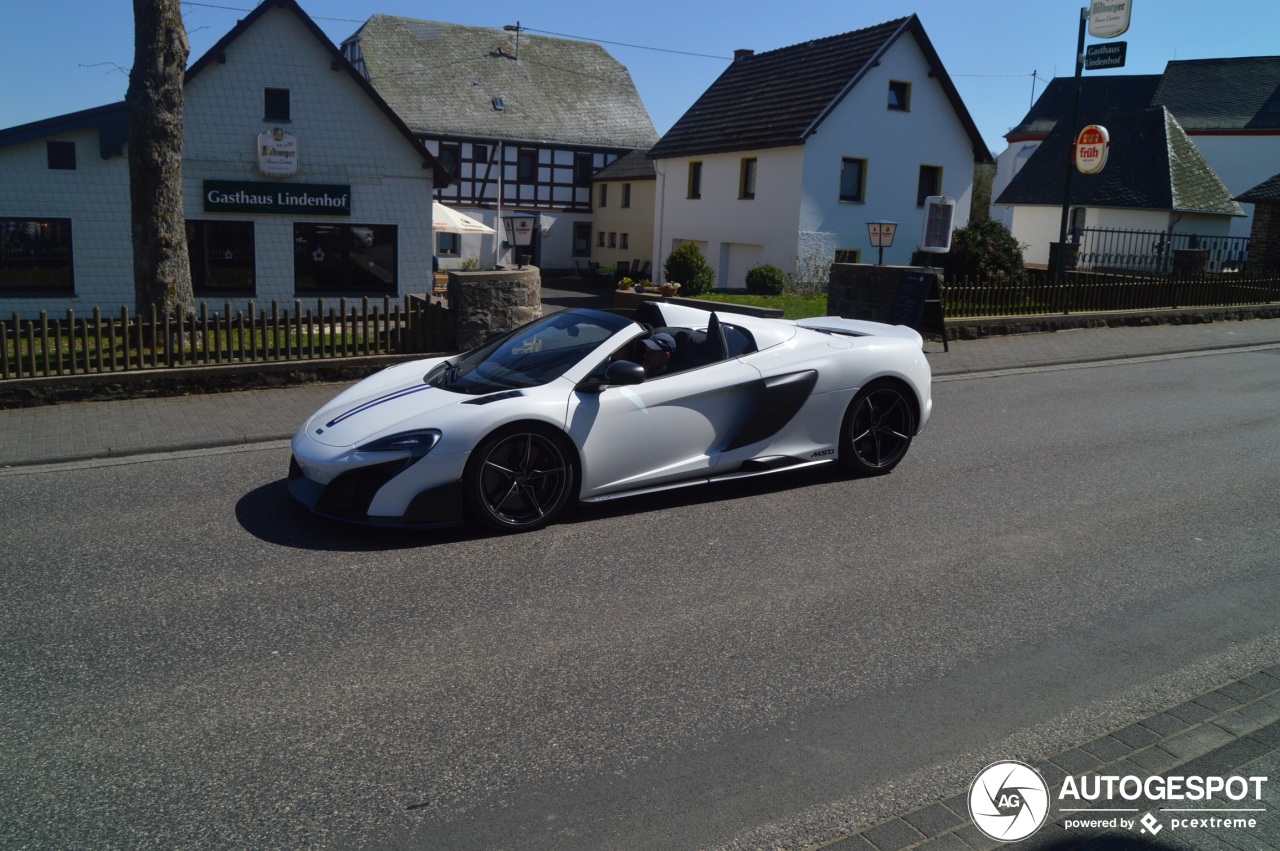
(73, 345)
(1040, 294)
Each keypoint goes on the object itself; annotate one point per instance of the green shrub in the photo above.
(766, 279)
(687, 267)
(983, 249)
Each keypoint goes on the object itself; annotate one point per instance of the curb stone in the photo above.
(1240, 725)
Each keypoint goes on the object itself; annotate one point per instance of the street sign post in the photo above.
(1111, 55)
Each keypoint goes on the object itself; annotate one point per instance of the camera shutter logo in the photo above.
(1008, 801)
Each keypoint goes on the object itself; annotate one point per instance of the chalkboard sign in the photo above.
(919, 304)
(895, 295)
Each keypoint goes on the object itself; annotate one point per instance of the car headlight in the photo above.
(418, 443)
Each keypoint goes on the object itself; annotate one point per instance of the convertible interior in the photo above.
(695, 347)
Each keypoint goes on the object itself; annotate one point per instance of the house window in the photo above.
(747, 179)
(222, 257)
(275, 105)
(35, 256)
(480, 153)
(344, 259)
(582, 169)
(626, 241)
(600, 239)
(448, 245)
(848, 255)
(582, 239)
(527, 165)
(450, 157)
(899, 95)
(930, 183)
(613, 240)
(853, 179)
(61, 155)
(695, 180)
(604, 195)
(626, 195)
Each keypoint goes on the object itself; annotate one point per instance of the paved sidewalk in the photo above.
(87, 430)
(1232, 731)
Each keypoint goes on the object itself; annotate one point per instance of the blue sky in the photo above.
(74, 54)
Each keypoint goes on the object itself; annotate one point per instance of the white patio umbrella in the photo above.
(448, 220)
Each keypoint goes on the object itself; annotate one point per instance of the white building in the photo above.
(1155, 183)
(789, 154)
(522, 121)
(299, 180)
(1230, 109)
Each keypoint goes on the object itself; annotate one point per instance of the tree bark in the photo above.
(161, 267)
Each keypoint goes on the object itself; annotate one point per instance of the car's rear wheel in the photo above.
(519, 479)
(877, 429)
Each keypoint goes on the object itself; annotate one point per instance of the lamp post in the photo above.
(881, 234)
(519, 230)
(515, 29)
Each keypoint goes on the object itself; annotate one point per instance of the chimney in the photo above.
(742, 53)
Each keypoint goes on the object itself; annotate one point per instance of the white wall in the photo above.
(343, 139)
(797, 208)
(95, 196)
(1008, 164)
(895, 144)
(720, 218)
(1242, 161)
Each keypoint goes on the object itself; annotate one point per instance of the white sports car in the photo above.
(568, 407)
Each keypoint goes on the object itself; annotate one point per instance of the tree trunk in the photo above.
(161, 267)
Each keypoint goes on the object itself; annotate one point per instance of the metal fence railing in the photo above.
(1039, 293)
(1157, 252)
(98, 343)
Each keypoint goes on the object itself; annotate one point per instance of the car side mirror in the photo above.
(624, 372)
(619, 372)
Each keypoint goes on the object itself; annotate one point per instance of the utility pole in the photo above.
(1059, 265)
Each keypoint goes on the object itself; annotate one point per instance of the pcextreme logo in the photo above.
(1009, 801)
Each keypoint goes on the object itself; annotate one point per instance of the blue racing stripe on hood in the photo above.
(373, 403)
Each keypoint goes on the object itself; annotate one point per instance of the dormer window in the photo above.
(899, 96)
(275, 104)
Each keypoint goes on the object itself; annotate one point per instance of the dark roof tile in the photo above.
(777, 98)
(1152, 165)
(442, 80)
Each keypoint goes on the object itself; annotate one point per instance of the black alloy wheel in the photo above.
(519, 479)
(877, 429)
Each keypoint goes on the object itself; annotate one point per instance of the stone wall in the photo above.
(497, 300)
(1264, 241)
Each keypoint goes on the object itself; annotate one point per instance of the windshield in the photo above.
(530, 355)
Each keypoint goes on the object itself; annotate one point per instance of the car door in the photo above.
(668, 428)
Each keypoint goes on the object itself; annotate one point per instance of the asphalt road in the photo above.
(189, 660)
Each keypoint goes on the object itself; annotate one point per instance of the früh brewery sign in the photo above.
(1091, 149)
(244, 196)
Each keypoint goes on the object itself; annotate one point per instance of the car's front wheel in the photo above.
(519, 479)
(877, 429)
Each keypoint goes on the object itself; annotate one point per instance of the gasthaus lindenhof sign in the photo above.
(1091, 149)
(1109, 18)
(249, 196)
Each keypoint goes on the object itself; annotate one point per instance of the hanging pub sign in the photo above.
(1091, 149)
(278, 153)
(1109, 18)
